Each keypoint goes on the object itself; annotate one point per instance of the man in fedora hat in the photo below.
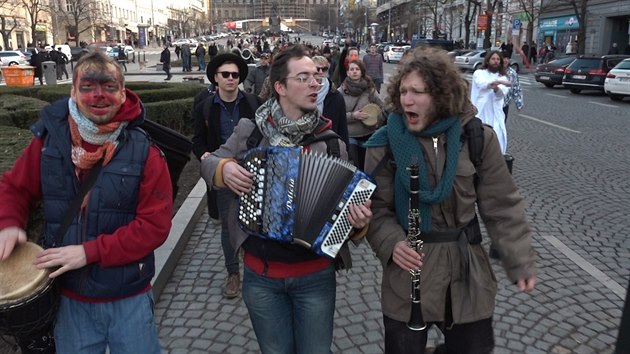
(215, 114)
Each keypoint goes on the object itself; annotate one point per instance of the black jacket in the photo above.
(207, 129)
(335, 110)
(165, 56)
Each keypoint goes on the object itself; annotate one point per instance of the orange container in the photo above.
(19, 75)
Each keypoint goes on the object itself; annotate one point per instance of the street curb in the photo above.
(167, 255)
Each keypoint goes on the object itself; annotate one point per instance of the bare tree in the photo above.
(81, 16)
(580, 8)
(34, 8)
(532, 10)
(7, 23)
(472, 7)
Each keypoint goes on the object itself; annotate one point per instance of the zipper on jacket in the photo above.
(435, 150)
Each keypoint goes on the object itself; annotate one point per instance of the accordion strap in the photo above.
(328, 136)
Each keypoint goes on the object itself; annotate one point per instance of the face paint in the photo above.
(98, 94)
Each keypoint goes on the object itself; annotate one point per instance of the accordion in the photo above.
(301, 198)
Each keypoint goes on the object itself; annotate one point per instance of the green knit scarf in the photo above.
(405, 146)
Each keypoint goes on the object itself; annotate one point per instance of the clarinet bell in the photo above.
(416, 322)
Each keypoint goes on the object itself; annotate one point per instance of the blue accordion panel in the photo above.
(301, 197)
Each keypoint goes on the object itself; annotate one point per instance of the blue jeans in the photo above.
(126, 326)
(202, 62)
(225, 198)
(293, 315)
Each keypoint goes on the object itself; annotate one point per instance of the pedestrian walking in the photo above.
(214, 119)
(36, 62)
(165, 59)
(62, 60)
(515, 94)
(200, 53)
(122, 57)
(490, 86)
(104, 261)
(374, 67)
(288, 289)
(254, 81)
(422, 142)
(358, 91)
(186, 58)
(212, 50)
(330, 101)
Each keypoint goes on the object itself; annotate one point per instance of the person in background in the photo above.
(330, 101)
(212, 50)
(614, 49)
(104, 262)
(288, 289)
(200, 53)
(427, 96)
(36, 62)
(515, 94)
(490, 86)
(358, 90)
(255, 79)
(186, 58)
(374, 67)
(214, 119)
(122, 57)
(165, 59)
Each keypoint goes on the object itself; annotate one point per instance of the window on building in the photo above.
(233, 13)
(69, 7)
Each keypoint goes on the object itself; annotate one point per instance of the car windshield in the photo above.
(585, 64)
(625, 65)
(471, 54)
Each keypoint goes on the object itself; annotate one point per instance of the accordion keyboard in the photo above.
(251, 205)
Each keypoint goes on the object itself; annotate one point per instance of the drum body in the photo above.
(29, 299)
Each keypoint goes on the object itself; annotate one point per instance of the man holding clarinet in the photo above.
(431, 136)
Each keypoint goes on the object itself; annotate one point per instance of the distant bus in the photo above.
(442, 43)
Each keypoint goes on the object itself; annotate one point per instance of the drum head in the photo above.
(18, 275)
(374, 111)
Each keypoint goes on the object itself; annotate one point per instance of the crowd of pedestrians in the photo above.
(424, 139)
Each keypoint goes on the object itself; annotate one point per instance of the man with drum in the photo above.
(104, 262)
(288, 289)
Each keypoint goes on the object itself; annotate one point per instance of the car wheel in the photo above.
(13, 63)
(576, 91)
(549, 85)
(615, 97)
(476, 67)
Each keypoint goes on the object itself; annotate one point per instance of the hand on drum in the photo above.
(360, 215)
(66, 258)
(238, 179)
(405, 257)
(9, 237)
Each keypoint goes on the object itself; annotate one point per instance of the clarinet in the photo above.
(416, 322)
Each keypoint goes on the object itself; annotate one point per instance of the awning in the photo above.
(132, 28)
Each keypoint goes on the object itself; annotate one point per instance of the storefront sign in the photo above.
(557, 23)
(482, 22)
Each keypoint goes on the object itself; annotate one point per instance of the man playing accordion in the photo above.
(288, 289)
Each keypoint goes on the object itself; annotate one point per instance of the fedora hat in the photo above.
(221, 59)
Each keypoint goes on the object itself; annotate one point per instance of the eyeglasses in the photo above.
(322, 68)
(226, 74)
(308, 79)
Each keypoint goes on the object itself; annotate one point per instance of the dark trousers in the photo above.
(469, 338)
(506, 109)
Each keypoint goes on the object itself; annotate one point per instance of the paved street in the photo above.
(572, 166)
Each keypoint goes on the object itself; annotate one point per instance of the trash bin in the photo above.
(19, 75)
(159, 67)
(49, 68)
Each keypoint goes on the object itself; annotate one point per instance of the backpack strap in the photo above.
(473, 135)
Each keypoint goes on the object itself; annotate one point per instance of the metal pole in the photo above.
(389, 21)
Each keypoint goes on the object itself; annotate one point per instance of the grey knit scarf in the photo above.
(280, 130)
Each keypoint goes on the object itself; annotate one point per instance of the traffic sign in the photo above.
(516, 24)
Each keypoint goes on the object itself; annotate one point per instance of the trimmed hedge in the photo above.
(174, 114)
(172, 92)
(19, 111)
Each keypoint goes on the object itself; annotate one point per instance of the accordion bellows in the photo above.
(301, 197)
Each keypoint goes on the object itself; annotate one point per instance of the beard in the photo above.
(494, 68)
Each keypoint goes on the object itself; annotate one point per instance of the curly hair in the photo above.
(442, 78)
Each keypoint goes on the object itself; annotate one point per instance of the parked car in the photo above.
(617, 83)
(470, 61)
(393, 52)
(473, 60)
(551, 73)
(589, 73)
(458, 52)
(12, 57)
(129, 52)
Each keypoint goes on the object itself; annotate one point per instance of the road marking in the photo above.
(586, 266)
(550, 124)
(551, 94)
(603, 104)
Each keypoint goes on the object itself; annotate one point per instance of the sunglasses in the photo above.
(226, 74)
(322, 68)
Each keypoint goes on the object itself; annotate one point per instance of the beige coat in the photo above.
(357, 129)
(500, 206)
